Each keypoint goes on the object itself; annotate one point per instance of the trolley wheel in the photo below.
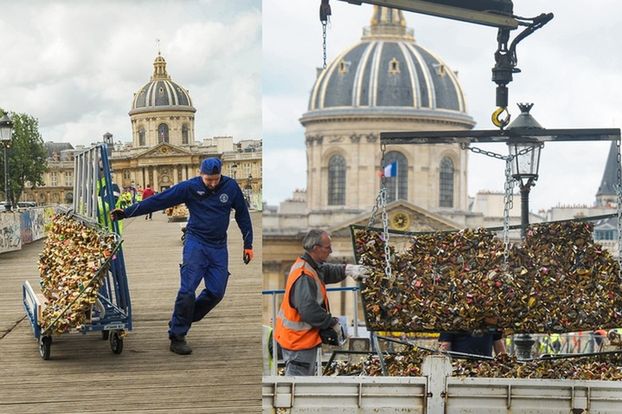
(116, 342)
(105, 335)
(45, 345)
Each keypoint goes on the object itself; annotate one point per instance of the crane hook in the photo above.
(497, 121)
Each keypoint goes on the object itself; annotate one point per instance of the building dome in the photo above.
(387, 71)
(161, 93)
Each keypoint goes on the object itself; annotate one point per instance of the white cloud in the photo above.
(281, 114)
(75, 65)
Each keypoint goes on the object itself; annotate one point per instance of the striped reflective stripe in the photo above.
(294, 326)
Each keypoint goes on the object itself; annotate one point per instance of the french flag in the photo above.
(390, 170)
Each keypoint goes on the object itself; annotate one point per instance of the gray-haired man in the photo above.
(304, 321)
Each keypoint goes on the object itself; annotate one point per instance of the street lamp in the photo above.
(525, 164)
(526, 160)
(6, 133)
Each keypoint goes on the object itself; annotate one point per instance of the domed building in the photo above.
(386, 82)
(163, 151)
(162, 111)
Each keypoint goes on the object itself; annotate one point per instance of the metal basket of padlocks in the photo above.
(83, 282)
(558, 280)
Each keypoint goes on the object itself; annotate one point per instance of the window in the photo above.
(162, 133)
(605, 235)
(397, 187)
(184, 134)
(344, 67)
(68, 179)
(446, 177)
(53, 179)
(336, 181)
(394, 66)
(126, 174)
(141, 137)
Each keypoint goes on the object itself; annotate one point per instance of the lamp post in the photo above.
(525, 164)
(6, 133)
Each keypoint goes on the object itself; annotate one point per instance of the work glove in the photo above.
(247, 256)
(117, 214)
(357, 272)
(333, 335)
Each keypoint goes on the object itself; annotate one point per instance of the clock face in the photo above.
(400, 221)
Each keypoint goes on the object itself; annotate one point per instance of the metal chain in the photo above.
(324, 44)
(374, 211)
(499, 156)
(507, 206)
(481, 151)
(508, 187)
(385, 230)
(619, 207)
(381, 203)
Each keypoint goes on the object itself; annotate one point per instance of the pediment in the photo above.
(163, 150)
(402, 216)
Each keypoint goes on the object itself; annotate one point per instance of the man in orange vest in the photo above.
(304, 321)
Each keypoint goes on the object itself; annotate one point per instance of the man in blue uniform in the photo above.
(209, 198)
(468, 343)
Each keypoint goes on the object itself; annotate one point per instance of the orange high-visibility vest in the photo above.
(290, 331)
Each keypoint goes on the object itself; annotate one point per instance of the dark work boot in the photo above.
(180, 346)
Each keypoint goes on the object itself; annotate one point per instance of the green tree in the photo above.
(26, 156)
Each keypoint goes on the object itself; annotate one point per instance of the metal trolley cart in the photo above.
(93, 199)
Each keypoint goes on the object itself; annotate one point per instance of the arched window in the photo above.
(184, 134)
(336, 181)
(141, 137)
(446, 177)
(397, 187)
(162, 133)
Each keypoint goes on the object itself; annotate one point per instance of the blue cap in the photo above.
(211, 166)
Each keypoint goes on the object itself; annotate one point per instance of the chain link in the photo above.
(381, 203)
(385, 230)
(481, 151)
(507, 206)
(324, 44)
(619, 208)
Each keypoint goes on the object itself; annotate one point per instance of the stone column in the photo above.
(154, 184)
(175, 179)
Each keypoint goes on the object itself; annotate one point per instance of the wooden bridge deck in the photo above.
(223, 374)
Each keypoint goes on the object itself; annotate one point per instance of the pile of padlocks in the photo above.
(177, 212)
(602, 367)
(559, 280)
(72, 255)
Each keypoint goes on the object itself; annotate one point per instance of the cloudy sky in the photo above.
(75, 65)
(570, 70)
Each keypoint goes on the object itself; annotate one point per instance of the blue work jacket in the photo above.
(209, 209)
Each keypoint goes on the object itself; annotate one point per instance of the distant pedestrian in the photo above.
(148, 192)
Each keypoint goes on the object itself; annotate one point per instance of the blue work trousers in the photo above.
(200, 262)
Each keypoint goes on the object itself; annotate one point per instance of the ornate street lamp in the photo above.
(526, 160)
(6, 134)
(525, 164)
